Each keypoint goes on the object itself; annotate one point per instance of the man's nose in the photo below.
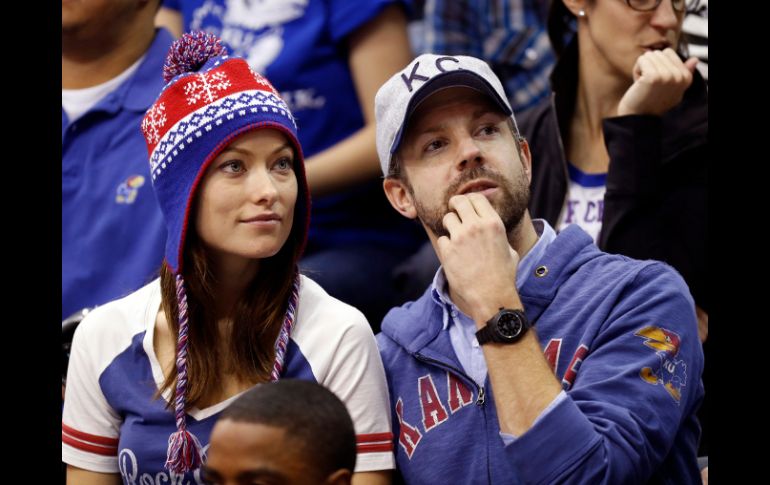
(470, 154)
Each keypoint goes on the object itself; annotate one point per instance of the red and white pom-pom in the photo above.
(190, 52)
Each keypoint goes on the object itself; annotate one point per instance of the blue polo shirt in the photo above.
(112, 228)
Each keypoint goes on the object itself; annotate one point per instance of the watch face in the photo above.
(509, 325)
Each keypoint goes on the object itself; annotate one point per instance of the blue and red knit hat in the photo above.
(209, 100)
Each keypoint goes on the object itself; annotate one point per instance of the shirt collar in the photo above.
(139, 91)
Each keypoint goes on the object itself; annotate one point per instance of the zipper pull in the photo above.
(480, 398)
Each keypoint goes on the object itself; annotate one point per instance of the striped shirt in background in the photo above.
(510, 35)
(696, 31)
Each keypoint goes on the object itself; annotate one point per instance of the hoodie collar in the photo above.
(417, 325)
(563, 257)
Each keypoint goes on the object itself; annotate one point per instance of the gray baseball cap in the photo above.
(398, 98)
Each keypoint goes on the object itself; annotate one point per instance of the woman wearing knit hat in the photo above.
(150, 373)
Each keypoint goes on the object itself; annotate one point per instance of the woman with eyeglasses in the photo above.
(621, 147)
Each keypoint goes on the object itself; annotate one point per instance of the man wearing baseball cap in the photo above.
(533, 357)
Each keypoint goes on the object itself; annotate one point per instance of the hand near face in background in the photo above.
(660, 80)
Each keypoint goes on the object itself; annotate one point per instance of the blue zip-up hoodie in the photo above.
(621, 336)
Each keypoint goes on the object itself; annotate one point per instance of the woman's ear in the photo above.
(575, 6)
(400, 197)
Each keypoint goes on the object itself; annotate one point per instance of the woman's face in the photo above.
(619, 34)
(245, 205)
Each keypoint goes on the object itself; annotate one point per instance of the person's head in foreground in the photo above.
(281, 433)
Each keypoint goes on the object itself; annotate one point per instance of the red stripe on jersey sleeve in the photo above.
(101, 440)
(378, 448)
(91, 448)
(368, 438)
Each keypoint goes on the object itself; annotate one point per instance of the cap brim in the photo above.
(451, 79)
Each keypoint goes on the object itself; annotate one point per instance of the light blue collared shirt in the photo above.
(462, 328)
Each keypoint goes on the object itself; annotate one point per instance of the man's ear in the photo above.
(339, 477)
(400, 197)
(526, 158)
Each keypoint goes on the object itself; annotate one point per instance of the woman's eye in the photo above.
(284, 164)
(232, 166)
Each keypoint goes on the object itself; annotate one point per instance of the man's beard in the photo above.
(511, 202)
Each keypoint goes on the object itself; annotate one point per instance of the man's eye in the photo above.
(489, 130)
(434, 145)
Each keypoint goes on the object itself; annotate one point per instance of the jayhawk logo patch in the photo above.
(128, 190)
(671, 373)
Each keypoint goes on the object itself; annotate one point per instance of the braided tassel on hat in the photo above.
(282, 342)
(184, 449)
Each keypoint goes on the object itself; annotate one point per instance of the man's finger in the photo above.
(463, 207)
(483, 206)
(451, 222)
(442, 245)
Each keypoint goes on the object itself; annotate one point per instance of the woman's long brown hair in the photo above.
(256, 318)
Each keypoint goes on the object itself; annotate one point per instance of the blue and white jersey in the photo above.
(301, 46)
(112, 423)
(584, 205)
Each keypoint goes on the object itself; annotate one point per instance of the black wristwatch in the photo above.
(507, 327)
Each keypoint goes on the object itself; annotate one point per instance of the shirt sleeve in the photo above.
(656, 208)
(357, 377)
(638, 385)
(630, 222)
(346, 16)
(90, 427)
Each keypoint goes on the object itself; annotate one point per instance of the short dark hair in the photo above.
(309, 413)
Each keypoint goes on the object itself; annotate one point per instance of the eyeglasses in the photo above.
(649, 5)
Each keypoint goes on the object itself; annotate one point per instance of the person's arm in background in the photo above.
(79, 476)
(170, 19)
(377, 50)
(635, 216)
